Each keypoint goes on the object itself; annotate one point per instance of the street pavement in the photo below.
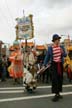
(15, 96)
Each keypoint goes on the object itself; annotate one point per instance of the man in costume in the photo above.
(55, 54)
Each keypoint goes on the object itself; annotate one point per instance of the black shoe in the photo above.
(34, 88)
(47, 82)
(3, 80)
(60, 97)
(69, 80)
(30, 91)
(27, 87)
(55, 98)
(18, 82)
(14, 83)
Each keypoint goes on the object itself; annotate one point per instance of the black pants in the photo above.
(57, 80)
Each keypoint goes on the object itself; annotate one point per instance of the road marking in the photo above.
(70, 85)
(14, 91)
(32, 97)
(13, 88)
(22, 89)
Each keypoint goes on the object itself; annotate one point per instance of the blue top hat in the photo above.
(55, 37)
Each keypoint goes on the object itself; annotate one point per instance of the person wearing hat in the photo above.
(16, 67)
(55, 55)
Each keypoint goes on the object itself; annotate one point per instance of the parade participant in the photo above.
(16, 68)
(29, 81)
(68, 64)
(1, 67)
(40, 59)
(29, 70)
(4, 64)
(55, 54)
(8, 66)
(29, 60)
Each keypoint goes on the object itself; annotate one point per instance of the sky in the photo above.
(49, 17)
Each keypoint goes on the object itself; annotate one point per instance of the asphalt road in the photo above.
(16, 97)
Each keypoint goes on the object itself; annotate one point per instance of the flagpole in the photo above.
(25, 38)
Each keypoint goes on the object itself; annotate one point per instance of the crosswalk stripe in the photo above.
(13, 88)
(14, 91)
(22, 89)
(32, 97)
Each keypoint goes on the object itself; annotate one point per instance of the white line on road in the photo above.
(32, 97)
(13, 88)
(13, 91)
(21, 89)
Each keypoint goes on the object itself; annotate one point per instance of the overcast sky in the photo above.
(49, 17)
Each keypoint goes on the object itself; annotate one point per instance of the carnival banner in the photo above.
(25, 27)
